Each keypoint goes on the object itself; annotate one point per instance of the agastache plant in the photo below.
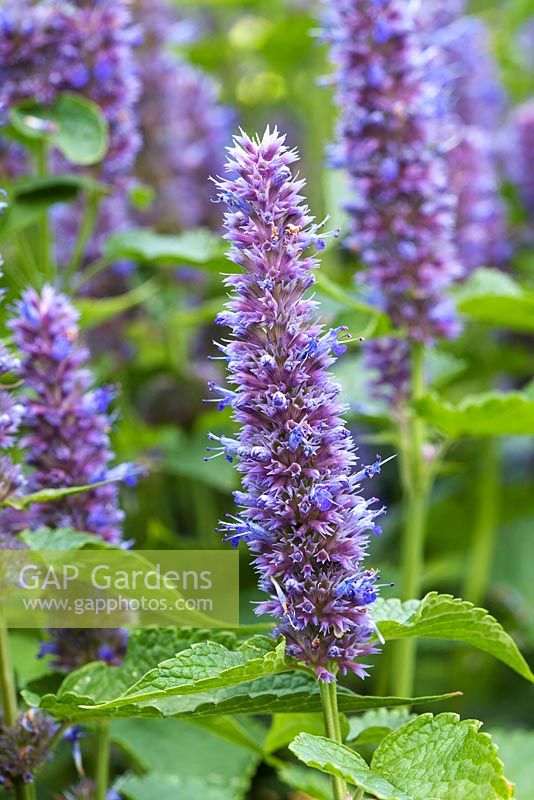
(302, 514)
(67, 424)
(184, 125)
(402, 213)
(66, 443)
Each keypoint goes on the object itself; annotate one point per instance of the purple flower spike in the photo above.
(24, 747)
(389, 87)
(520, 160)
(67, 425)
(11, 413)
(302, 513)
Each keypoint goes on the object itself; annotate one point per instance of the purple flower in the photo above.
(185, 128)
(11, 412)
(71, 649)
(302, 514)
(80, 46)
(481, 212)
(390, 140)
(520, 158)
(24, 747)
(477, 94)
(66, 441)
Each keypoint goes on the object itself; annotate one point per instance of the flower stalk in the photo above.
(333, 729)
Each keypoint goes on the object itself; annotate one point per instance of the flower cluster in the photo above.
(71, 649)
(86, 790)
(389, 140)
(67, 425)
(78, 46)
(477, 94)
(522, 166)
(302, 512)
(481, 214)
(11, 413)
(184, 126)
(24, 747)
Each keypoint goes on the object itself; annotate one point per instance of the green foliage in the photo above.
(198, 247)
(73, 124)
(489, 414)
(442, 757)
(441, 616)
(493, 297)
(62, 539)
(30, 198)
(175, 763)
(179, 673)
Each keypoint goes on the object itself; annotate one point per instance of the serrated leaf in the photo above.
(441, 616)
(82, 694)
(62, 539)
(516, 748)
(442, 758)
(336, 759)
(372, 726)
(207, 665)
(73, 124)
(199, 247)
(493, 297)
(489, 414)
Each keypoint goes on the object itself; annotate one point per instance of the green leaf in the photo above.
(516, 748)
(372, 726)
(51, 495)
(73, 124)
(442, 757)
(307, 781)
(30, 198)
(177, 758)
(441, 616)
(207, 665)
(199, 247)
(336, 759)
(284, 728)
(61, 539)
(489, 414)
(98, 310)
(83, 693)
(493, 297)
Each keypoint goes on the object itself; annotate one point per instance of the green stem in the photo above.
(84, 235)
(7, 677)
(102, 759)
(45, 238)
(23, 791)
(333, 730)
(416, 486)
(485, 524)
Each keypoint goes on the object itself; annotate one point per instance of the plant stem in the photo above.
(485, 524)
(333, 729)
(84, 235)
(23, 791)
(44, 225)
(416, 485)
(102, 759)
